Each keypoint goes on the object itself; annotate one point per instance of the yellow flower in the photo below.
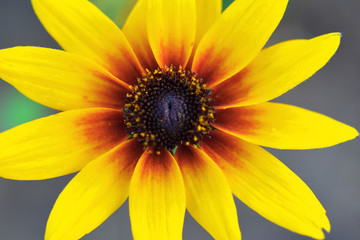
(180, 77)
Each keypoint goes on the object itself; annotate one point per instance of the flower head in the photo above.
(170, 112)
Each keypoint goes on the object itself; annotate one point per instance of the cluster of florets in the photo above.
(167, 108)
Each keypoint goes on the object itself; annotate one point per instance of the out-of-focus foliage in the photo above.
(226, 3)
(17, 109)
(117, 10)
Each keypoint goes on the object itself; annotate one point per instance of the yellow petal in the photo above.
(276, 70)
(208, 195)
(266, 185)
(94, 194)
(78, 26)
(157, 198)
(236, 38)
(60, 144)
(283, 126)
(207, 12)
(136, 33)
(59, 79)
(171, 26)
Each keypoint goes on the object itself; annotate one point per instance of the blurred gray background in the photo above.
(332, 173)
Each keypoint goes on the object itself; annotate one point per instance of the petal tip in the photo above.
(335, 35)
(350, 133)
(327, 228)
(326, 223)
(332, 40)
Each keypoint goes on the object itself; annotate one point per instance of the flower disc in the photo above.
(167, 108)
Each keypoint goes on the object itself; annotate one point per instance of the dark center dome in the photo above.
(168, 107)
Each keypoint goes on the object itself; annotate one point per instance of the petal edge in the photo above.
(266, 185)
(276, 70)
(283, 126)
(208, 196)
(236, 38)
(157, 198)
(46, 147)
(80, 27)
(95, 193)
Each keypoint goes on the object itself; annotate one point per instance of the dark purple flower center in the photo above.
(167, 108)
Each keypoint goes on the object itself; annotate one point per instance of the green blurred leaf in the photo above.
(117, 10)
(16, 109)
(226, 3)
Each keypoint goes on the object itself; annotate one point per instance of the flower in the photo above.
(170, 111)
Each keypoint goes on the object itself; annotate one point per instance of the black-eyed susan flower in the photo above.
(169, 111)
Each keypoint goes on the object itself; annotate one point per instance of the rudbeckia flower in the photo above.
(171, 112)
